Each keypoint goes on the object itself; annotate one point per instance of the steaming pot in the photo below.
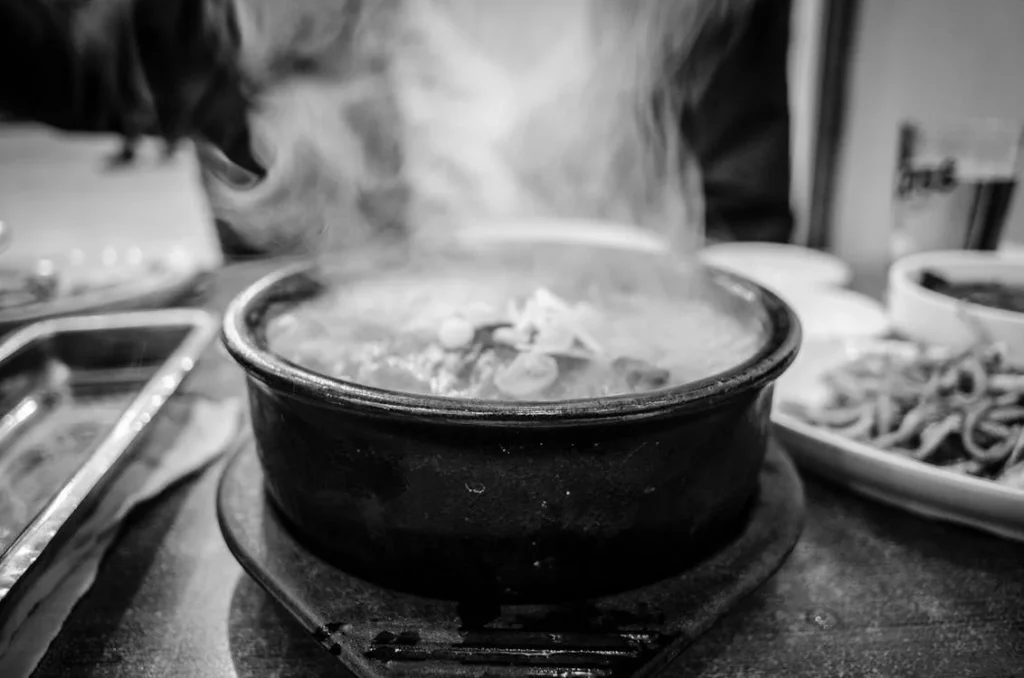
(513, 502)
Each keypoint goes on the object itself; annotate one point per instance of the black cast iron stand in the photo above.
(380, 633)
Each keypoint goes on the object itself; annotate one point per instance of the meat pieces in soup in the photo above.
(464, 342)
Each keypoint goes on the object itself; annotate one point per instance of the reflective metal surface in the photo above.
(154, 351)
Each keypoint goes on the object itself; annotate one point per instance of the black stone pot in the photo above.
(510, 502)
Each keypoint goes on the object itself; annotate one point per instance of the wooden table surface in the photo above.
(868, 591)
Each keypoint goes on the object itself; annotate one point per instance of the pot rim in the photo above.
(770, 361)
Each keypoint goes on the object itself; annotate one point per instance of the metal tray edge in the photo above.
(26, 550)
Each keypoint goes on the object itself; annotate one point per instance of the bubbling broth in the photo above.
(539, 328)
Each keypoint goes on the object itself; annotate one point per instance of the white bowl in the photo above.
(923, 315)
(779, 267)
(828, 313)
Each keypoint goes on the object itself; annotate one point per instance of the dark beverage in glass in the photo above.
(954, 185)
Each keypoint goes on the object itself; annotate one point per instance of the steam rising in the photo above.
(388, 118)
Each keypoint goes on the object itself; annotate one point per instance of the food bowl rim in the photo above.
(774, 356)
(902, 273)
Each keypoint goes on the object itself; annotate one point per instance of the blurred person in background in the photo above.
(170, 68)
(740, 131)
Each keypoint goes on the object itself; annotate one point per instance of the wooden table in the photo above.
(869, 591)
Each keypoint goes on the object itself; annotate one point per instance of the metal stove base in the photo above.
(380, 633)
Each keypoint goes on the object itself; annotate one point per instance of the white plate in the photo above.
(564, 231)
(141, 286)
(779, 266)
(832, 313)
(914, 486)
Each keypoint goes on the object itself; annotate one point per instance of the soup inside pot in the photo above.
(520, 323)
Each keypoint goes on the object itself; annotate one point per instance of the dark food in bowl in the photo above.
(517, 501)
(46, 282)
(24, 287)
(1000, 295)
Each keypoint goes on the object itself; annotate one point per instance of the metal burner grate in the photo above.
(380, 633)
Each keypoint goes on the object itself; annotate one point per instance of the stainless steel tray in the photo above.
(77, 395)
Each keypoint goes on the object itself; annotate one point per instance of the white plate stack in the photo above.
(812, 282)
